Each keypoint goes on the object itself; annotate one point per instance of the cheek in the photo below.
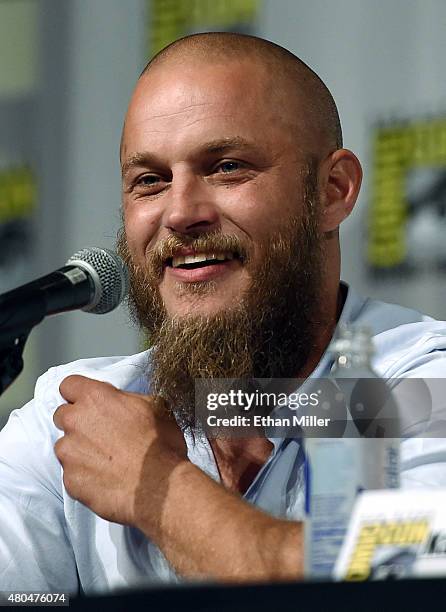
(141, 227)
(280, 206)
(262, 210)
(248, 207)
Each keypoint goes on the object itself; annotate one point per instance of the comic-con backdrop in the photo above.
(406, 229)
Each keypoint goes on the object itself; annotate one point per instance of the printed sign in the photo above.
(18, 202)
(407, 216)
(172, 19)
(395, 534)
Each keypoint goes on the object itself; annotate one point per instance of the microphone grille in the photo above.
(109, 274)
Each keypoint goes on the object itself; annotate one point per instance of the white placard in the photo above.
(395, 534)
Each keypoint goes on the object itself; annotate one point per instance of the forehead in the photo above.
(220, 98)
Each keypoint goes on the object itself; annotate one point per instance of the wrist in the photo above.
(154, 505)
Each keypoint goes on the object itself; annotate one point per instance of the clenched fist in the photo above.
(118, 451)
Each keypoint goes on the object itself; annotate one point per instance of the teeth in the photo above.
(177, 261)
(198, 257)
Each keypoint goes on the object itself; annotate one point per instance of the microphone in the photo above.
(95, 280)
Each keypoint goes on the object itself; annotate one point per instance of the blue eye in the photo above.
(148, 180)
(229, 166)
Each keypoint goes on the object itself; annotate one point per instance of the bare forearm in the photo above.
(133, 469)
(206, 531)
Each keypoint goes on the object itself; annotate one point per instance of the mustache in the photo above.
(210, 242)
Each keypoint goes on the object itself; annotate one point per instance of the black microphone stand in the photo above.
(11, 360)
(17, 318)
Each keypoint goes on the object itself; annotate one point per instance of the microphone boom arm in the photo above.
(11, 361)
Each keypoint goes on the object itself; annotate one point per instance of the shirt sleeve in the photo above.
(35, 549)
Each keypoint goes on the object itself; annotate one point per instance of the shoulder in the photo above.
(32, 427)
(127, 373)
(34, 421)
(405, 339)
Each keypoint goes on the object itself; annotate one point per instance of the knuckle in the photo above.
(65, 418)
(69, 419)
(60, 449)
(69, 482)
(67, 383)
(100, 391)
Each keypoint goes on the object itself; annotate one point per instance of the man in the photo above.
(234, 185)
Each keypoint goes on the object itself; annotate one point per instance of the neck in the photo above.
(240, 459)
(326, 326)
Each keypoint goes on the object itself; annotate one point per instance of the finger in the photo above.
(60, 449)
(59, 416)
(74, 386)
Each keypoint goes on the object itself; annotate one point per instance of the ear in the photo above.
(340, 180)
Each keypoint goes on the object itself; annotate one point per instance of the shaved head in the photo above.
(305, 93)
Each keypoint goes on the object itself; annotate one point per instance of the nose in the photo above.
(191, 206)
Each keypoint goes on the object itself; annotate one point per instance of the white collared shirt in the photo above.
(50, 542)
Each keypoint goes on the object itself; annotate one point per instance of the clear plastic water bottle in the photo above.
(365, 457)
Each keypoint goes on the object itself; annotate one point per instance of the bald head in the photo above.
(232, 137)
(305, 93)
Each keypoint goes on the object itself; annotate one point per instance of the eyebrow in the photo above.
(213, 147)
(137, 159)
(224, 144)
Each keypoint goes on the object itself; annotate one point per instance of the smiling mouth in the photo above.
(200, 260)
